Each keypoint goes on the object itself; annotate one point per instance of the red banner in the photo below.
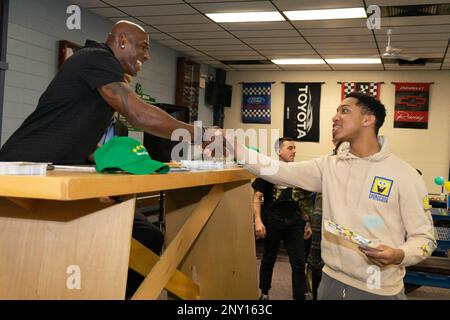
(411, 105)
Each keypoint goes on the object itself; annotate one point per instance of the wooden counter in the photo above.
(58, 241)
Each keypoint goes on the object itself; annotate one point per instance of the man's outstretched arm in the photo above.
(140, 114)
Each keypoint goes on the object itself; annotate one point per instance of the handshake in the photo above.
(218, 143)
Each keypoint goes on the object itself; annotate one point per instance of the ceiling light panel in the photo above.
(354, 61)
(298, 61)
(326, 14)
(245, 16)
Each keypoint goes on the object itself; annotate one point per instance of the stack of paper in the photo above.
(23, 168)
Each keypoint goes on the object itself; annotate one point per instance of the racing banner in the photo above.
(302, 111)
(411, 105)
(370, 88)
(256, 102)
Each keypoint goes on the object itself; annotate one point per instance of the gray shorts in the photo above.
(332, 289)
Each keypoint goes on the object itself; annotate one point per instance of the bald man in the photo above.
(77, 106)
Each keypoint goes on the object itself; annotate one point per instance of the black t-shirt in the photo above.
(289, 202)
(71, 116)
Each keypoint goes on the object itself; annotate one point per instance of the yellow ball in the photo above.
(447, 185)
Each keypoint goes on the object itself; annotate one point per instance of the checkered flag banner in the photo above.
(256, 102)
(370, 88)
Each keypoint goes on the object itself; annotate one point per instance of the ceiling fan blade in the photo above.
(388, 55)
(407, 58)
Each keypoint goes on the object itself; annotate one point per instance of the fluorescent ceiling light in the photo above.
(298, 61)
(326, 14)
(354, 61)
(246, 16)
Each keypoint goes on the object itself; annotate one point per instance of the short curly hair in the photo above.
(370, 105)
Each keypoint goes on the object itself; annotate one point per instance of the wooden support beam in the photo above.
(28, 204)
(158, 277)
(142, 261)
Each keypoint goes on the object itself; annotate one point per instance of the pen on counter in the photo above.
(71, 168)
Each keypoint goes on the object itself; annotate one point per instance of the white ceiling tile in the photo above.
(428, 66)
(207, 1)
(145, 11)
(273, 40)
(284, 46)
(89, 3)
(412, 21)
(339, 67)
(336, 32)
(403, 2)
(201, 42)
(344, 45)
(286, 52)
(141, 2)
(206, 60)
(225, 53)
(439, 51)
(201, 35)
(424, 43)
(181, 47)
(346, 51)
(292, 55)
(265, 34)
(177, 19)
(159, 36)
(108, 12)
(150, 29)
(316, 4)
(339, 23)
(338, 39)
(412, 37)
(259, 67)
(248, 26)
(442, 28)
(244, 57)
(170, 42)
(197, 27)
(239, 6)
(422, 55)
(224, 47)
(194, 54)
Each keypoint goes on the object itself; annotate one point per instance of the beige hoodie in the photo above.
(380, 197)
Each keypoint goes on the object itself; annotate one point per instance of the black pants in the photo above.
(290, 231)
(316, 277)
(151, 237)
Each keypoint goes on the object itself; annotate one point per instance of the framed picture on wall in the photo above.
(65, 50)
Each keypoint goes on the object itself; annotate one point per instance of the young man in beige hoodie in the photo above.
(368, 190)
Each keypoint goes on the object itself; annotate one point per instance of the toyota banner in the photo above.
(302, 111)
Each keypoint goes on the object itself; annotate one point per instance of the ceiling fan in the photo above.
(394, 53)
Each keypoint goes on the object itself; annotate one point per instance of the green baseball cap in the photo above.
(126, 154)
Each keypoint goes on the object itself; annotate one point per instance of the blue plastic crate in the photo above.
(443, 237)
(427, 279)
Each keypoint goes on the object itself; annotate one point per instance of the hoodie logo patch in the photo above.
(381, 188)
